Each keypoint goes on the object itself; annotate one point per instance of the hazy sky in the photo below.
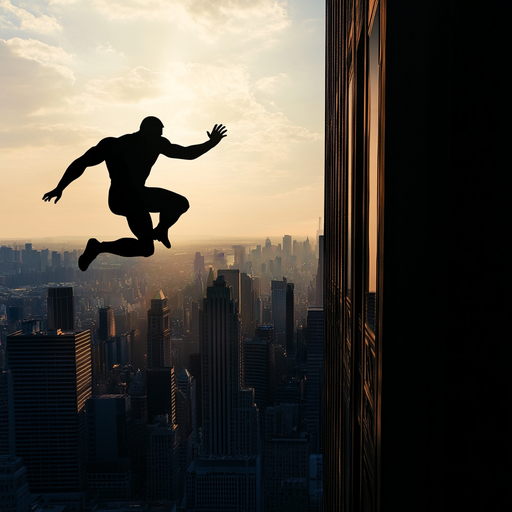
(75, 71)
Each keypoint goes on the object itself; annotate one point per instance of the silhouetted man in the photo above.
(129, 159)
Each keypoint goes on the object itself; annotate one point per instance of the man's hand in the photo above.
(218, 133)
(56, 192)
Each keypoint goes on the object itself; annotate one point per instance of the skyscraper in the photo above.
(392, 232)
(159, 333)
(221, 358)
(278, 296)
(109, 440)
(60, 308)
(107, 327)
(233, 280)
(163, 461)
(51, 376)
(290, 319)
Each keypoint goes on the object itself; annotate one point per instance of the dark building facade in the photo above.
(60, 308)
(405, 130)
(51, 382)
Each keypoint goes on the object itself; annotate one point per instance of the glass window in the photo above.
(373, 165)
(350, 168)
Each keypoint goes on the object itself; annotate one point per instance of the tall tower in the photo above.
(159, 333)
(60, 308)
(107, 328)
(233, 280)
(52, 380)
(221, 369)
(290, 319)
(278, 294)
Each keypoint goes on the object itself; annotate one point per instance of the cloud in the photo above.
(138, 84)
(247, 18)
(268, 83)
(29, 22)
(49, 56)
(31, 79)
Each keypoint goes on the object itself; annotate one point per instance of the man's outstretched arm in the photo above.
(93, 156)
(192, 152)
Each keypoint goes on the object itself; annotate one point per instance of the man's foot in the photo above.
(92, 249)
(160, 234)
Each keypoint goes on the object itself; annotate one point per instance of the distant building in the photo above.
(278, 297)
(286, 475)
(6, 413)
(14, 489)
(107, 323)
(160, 392)
(61, 312)
(314, 382)
(163, 461)
(226, 429)
(159, 332)
(52, 380)
(224, 483)
(109, 439)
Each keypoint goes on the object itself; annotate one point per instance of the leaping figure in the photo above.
(129, 160)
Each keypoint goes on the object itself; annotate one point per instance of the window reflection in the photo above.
(349, 185)
(373, 147)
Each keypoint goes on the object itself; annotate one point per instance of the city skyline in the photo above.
(92, 70)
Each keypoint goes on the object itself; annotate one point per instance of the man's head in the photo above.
(151, 127)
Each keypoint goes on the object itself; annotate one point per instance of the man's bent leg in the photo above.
(143, 245)
(170, 205)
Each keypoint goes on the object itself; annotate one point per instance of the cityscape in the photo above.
(188, 381)
(261, 363)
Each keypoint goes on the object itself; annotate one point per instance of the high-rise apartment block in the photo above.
(51, 378)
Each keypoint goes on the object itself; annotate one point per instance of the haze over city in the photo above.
(75, 72)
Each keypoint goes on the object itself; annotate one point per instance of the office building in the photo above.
(61, 313)
(221, 360)
(404, 223)
(230, 417)
(160, 392)
(247, 304)
(224, 483)
(290, 320)
(6, 413)
(258, 370)
(233, 280)
(286, 475)
(163, 461)
(278, 297)
(314, 382)
(51, 380)
(109, 440)
(159, 333)
(107, 323)
(14, 489)
(186, 383)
